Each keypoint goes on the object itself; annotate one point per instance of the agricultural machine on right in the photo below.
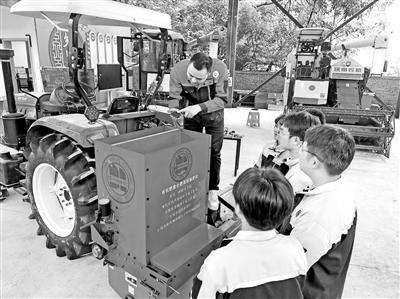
(338, 87)
(314, 78)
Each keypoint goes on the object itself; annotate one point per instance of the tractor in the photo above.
(55, 137)
(57, 164)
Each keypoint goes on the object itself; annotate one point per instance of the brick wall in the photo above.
(250, 80)
(386, 88)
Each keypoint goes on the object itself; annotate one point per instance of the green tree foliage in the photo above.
(279, 31)
(171, 7)
(263, 37)
(265, 34)
(202, 17)
(191, 18)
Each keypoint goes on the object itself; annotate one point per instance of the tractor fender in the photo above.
(75, 126)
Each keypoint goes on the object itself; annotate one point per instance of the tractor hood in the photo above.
(102, 12)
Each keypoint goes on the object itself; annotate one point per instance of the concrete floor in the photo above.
(29, 270)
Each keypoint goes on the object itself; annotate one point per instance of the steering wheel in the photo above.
(69, 89)
(65, 94)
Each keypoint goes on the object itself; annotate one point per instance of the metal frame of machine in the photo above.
(140, 65)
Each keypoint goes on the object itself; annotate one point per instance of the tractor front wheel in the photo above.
(61, 185)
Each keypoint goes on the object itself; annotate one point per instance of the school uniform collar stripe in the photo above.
(292, 161)
(246, 235)
(264, 280)
(325, 187)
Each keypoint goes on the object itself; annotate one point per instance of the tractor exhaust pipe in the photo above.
(13, 122)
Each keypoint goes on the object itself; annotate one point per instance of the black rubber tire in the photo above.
(77, 169)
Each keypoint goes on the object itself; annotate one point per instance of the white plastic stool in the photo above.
(253, 119)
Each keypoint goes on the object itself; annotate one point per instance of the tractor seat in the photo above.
(123, 105)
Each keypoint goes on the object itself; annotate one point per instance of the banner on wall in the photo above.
(101, 55)
(101, 47)
(92, 49)
(114, 49)
(58, 48)
(108, 48)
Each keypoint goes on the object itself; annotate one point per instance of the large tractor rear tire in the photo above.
(61, 184)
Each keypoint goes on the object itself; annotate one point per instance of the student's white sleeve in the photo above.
(314, 239)
(209, 286)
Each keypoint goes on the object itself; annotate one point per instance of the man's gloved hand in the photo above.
(190, 111)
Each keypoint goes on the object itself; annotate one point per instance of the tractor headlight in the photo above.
(92, 113)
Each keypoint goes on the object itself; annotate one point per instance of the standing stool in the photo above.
(253, 119)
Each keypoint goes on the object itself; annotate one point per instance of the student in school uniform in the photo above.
(258, 262)
(289, 141)
(325, 219)
(271, 149)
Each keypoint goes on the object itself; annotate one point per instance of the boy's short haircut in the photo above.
(333, 144)
(318, 113)
(201, 60)
(298, 123)
(264, 196)
(279, 119)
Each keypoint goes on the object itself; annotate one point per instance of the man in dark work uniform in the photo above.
(198, 87)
